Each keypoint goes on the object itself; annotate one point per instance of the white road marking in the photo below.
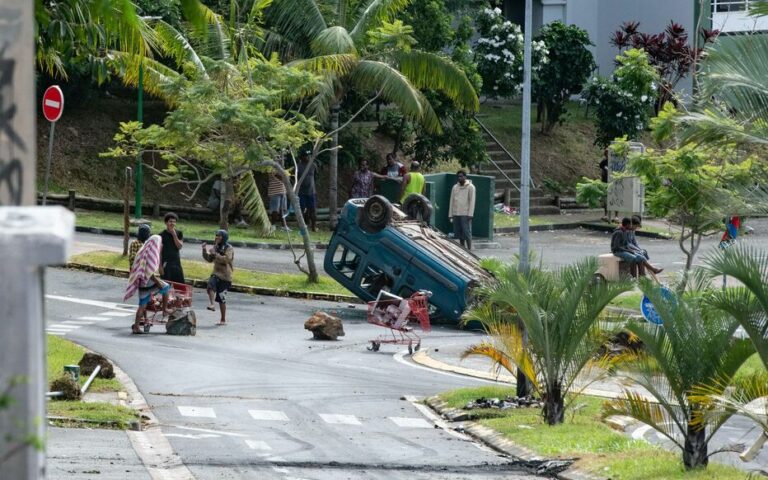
(56, 333)
(93, 303)
(79, 323)
(437, 420)
(639, 434)
(278, 459)
(258, 445)
(399, 357)
(197, 412)
(118, 314)
(272, 415)
(205, 430)
(333, 418)
(94, 319)
(61, 326)
(192, 436)
(407, 422)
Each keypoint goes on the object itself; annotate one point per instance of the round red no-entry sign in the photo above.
(53, 103)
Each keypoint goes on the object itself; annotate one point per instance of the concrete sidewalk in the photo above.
(73, 453)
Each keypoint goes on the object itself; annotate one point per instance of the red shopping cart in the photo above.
(396, 314)
(179, 298)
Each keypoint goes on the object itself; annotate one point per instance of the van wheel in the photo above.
(418, 207)
(377, 212)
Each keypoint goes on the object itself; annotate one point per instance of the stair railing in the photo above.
(511, 157)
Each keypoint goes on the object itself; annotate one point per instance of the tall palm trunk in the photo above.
(695, 448)
(554, 406)
(333, 175)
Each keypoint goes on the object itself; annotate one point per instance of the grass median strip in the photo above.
(194, 270)
(78, 413)
(599, 450)
(196, 229)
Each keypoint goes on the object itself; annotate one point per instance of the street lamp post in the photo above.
(140, 118)
(523, 386)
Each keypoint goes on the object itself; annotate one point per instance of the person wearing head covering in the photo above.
(143, 279)
(141, 236)
(222, 255)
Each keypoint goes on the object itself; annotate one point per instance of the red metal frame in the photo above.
(395, 313)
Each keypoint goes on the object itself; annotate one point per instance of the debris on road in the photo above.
(504, 403)
(69, 388)
(181, 323)
(324, 326)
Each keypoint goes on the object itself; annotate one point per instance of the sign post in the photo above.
(53, 107)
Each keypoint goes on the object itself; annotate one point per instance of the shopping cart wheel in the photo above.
(146, 328)
(418, 347)
(374, 346)
(410, 349)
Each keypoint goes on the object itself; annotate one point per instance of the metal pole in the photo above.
(523, 388)
(140, 118)
(48, 163)
(126, 210)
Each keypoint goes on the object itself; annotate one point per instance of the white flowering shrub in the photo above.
(623, 103)
(499, 54)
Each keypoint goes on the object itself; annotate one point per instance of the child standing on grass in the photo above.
(222, 256)
(143, 279)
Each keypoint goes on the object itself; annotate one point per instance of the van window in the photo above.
(345, 261)
(374, 280)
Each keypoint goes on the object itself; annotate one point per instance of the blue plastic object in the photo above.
(649, 311)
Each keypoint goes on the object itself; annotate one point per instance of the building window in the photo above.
(733, 16)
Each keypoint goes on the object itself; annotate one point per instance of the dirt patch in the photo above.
(89, 362)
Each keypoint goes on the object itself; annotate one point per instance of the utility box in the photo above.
(482, 221)
(626, 195)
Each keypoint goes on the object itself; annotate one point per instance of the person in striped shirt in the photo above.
(278, 201)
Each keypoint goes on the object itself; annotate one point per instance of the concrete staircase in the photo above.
(506, 169)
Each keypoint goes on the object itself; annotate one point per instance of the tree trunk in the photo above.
(695, 448)
(399, 137)
(554, 406)
(312, 276)
(333, 174)
(225, 202)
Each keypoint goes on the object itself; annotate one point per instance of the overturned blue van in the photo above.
(376, 246)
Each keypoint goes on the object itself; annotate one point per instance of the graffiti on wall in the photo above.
(11, 143)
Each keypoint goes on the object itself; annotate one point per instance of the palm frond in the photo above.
(374, 76)
(333, 40)
(758, 8)
(339, 64)
(326, 97)
(372, 14)
(157, 77)
(725, 398)
(299, 20)
(175, 45)
(428, 70)
(248, 193)
(652, 414)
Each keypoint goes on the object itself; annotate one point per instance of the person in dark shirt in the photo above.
(307, 191)
(621, 246)
(170, 260)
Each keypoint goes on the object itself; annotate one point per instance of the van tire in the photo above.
(418, 207)
(377, 213)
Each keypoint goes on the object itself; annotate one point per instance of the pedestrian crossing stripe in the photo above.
(333, 418)
(78, 323)
(204, 412)
(59, 326)
(118, 314)
(411, 422)
(270, 415)
(94, 319)
(258, 445)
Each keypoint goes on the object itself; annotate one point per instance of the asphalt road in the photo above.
(259, 399)
(553, 249)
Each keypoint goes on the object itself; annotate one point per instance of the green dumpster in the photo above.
(482, 222)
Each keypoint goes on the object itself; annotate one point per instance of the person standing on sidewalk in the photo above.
(393, 169)
(222, 255)
(170, 260)
(362, 181)
(462, 209)
(307, 192)
(278, 201)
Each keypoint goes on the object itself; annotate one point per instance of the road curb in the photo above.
(235, 243)
(275, 292)
(610, 228)
(499, 442)
(549, 227)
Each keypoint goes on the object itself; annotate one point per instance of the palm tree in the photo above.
(694, 347)
(748, 304)
(356, 46)
(559, 312)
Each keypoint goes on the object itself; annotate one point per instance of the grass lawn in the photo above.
(501, 220)
(628, 300)
(194, 229)
(63, 352)
(599, 449)
(201, 271)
